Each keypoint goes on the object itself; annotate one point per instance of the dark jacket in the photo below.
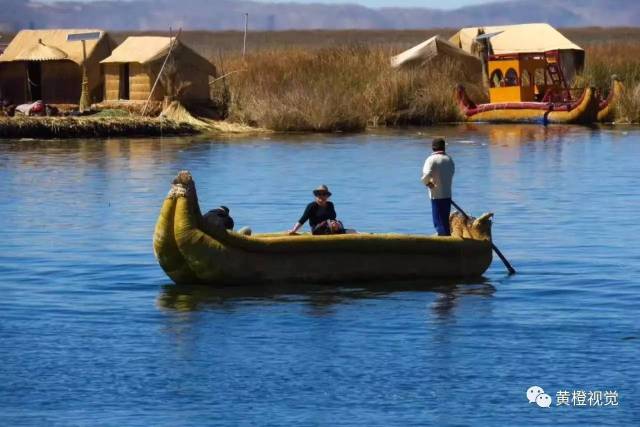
(315, 213)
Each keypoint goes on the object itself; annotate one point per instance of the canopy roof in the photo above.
(48, 45)
(435, 47)
(522, 38)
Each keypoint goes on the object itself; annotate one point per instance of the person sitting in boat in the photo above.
(219, 218)
(321, 215)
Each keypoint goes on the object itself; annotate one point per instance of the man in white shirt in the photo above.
(437, 174)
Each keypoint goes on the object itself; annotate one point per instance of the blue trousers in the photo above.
(440, 209)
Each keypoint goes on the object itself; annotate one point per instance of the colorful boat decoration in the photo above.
(220, 257)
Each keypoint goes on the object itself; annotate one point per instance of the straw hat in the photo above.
(322, 189)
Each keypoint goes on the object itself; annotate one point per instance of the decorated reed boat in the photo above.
(188, 254)
(528, 69)
(588, 108)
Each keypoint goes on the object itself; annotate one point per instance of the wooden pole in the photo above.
(225, 75)
(171, 46)
(246, 27)
(85, 102)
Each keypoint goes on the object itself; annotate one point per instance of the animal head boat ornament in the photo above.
(470, 227)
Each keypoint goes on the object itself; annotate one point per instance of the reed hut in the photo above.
(133, 67)
(43, 65)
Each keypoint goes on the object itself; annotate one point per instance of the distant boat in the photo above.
(528, 68)
(584, 110)
(189, 255)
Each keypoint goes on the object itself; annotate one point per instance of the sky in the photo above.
(433, 4)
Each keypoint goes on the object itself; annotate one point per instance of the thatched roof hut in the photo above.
(42, 64)
(133, 67)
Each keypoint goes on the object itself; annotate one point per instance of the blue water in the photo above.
(92, 333)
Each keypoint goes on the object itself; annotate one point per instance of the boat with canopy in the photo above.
(529, 69)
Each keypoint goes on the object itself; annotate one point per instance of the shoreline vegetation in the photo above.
(332, 81)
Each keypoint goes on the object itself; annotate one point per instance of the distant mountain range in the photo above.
(227, 15)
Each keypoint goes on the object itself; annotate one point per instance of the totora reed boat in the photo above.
(220, 257)
(589, 108)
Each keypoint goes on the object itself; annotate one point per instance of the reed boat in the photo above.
(529, 70)
(188, 254)
(584, 110)
(589, 108)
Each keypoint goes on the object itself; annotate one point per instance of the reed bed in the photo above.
(345, 88)
(620, 58)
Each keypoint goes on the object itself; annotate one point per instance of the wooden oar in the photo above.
(495, 248)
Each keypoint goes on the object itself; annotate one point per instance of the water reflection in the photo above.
(321, 299)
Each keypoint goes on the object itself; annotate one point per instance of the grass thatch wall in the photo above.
(61, 82)
(111, 82)
(142, 77)
(141, 80)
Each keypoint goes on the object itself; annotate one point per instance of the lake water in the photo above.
(93, 333)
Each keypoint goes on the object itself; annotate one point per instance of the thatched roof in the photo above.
(429, 50)
(145, 50)
(47, 45)
(522, 38)
(142, 50)
(41, 52)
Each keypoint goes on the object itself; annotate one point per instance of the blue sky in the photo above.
(435, 4)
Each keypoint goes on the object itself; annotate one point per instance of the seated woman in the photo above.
(321, 215)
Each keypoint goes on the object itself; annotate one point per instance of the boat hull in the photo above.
(225, 258)
(584, 111)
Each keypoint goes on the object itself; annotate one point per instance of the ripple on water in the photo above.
(91, 325)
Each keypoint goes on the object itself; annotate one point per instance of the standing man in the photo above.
(437, 174)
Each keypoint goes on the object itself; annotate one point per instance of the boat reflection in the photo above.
(320, 298)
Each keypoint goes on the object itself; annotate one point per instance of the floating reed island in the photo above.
(313, 81)
(89, 127)
(175, 120)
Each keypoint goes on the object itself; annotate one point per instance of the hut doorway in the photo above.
(124, 82)
(34, 81)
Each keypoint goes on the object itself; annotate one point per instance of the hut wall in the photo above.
(193, 68)
(61, 82)
(111, 82)
(199, 88)
(96, 81)
(13, 82)
(95, 71)
(140, 82)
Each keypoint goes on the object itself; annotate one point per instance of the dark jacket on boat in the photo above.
(219, 217)
(316, 213)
